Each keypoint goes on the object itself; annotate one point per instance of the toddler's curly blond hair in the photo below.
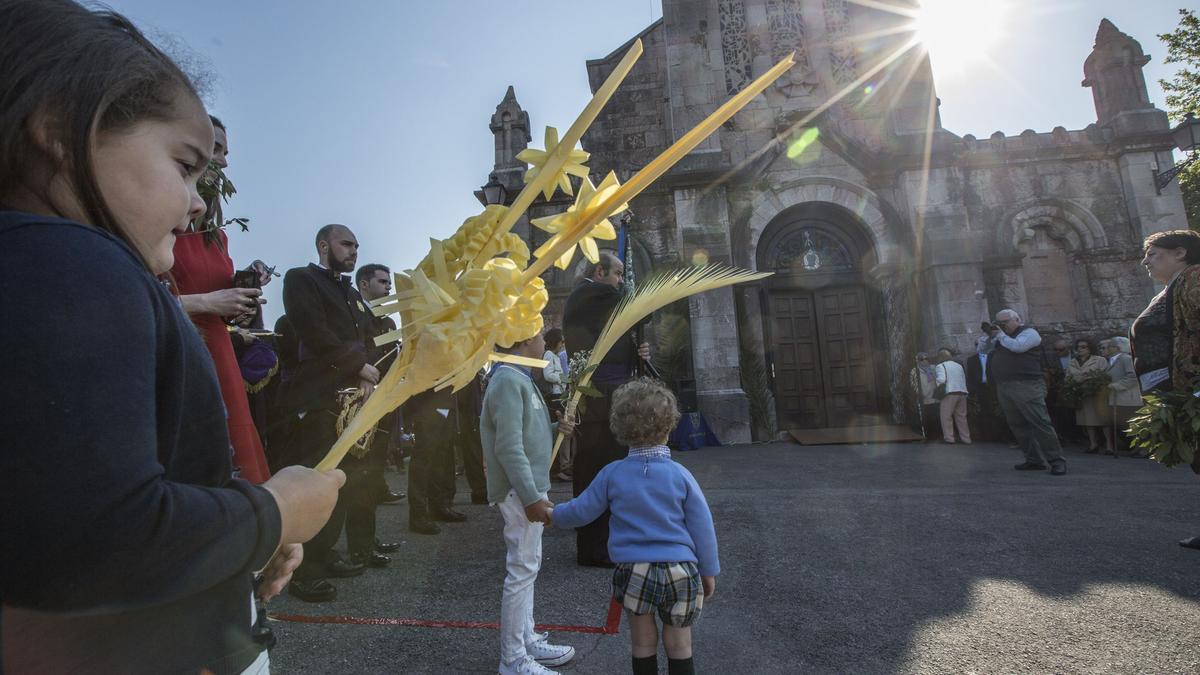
(644, 412)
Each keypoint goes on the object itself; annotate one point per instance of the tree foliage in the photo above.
(1183, 97)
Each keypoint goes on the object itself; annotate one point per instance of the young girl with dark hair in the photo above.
(126, 545)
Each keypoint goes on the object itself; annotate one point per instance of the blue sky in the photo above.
(374, 113)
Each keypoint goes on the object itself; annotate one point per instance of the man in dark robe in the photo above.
(334, 333)
(587, 311)
(366, 488)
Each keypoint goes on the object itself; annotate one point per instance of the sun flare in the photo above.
(959, 32)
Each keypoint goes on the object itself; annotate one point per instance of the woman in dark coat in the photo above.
(1166, 336)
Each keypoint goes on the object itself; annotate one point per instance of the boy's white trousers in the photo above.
(524, 541)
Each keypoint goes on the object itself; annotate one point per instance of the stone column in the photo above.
(1150, 209)
(953, 287)
(1004, 285)
(898, 312)
(750, 332)
(702, 217)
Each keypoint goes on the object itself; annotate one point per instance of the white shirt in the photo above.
(553, 372)
(951, 374)
(1025, 340)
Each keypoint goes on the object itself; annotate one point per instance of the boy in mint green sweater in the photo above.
(517, 440)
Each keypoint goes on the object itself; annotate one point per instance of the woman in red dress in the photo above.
(203, 275)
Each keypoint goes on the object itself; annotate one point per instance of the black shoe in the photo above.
(1030, 466)
(261, 632)
(381, 547)
(582, 562)
(371, 559)
(1191, 542)
(447, 515)
(317, 590)
(1058, 469)
(341, 569)
(479, 498)
(423, 526)
(390, 497)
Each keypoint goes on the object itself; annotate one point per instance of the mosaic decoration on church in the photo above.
(786, 22)
(812, 251)
(735, 45)
(481, 288)
(842, 56)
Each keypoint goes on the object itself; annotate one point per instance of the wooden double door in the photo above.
(823, 357)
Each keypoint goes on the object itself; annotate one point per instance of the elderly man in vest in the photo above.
(1016, 368)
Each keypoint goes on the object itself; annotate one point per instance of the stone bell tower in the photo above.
(510, 125)
(1113, 71)
(1139, 132)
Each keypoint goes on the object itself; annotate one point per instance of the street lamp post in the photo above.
(492, 192)
(1187, 139)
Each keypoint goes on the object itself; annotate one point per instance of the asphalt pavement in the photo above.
(904, 558)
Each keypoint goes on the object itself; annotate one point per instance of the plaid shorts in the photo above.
(673, 589)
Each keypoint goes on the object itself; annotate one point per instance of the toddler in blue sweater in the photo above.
(661, 533)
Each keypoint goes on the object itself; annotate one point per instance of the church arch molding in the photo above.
(1063, 219)
(815, 238)
(860, 204)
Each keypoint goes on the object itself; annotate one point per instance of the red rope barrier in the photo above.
(611, 625)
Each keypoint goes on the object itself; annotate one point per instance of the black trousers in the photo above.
(595, 448)
(362, 495)
(431, 469)
(311, 437)
(932, 421)
(1063, 419)
(471, 449)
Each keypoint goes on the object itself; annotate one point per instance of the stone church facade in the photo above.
(887, 233)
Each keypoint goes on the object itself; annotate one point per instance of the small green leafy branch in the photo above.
(578, 367)
(1077, 390)
(1167, 426)
(215, 188)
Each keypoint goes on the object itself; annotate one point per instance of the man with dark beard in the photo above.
(588, 308)
(334, 331)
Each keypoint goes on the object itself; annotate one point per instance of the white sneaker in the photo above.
(525, 666)
(547, 654)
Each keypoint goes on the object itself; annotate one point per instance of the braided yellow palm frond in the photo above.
(654, 294)
(478, 289)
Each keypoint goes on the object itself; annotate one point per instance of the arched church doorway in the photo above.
(823, 321)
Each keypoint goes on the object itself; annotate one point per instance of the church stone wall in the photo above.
(1002, 211)
(1049, 224)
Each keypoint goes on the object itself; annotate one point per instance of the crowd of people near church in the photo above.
(959, 399)
(161, 484)
(1042, 392)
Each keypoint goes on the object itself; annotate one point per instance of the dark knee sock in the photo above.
(646, 665)
(680, 666)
